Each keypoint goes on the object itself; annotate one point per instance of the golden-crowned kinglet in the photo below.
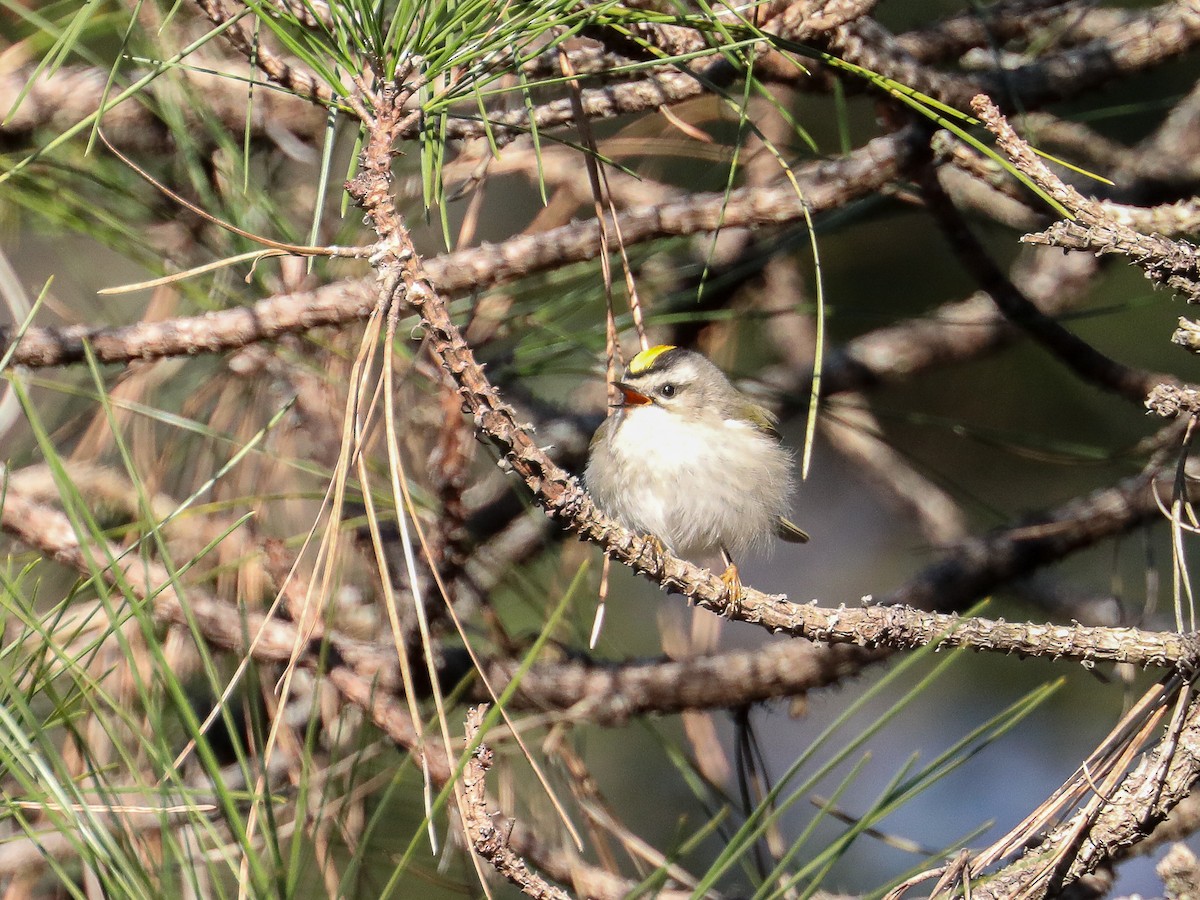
(692, 461)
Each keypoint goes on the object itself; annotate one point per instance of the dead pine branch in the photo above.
(485, 828)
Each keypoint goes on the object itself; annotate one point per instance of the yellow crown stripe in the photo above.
(646, 358)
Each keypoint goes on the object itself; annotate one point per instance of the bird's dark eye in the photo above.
(667, 390)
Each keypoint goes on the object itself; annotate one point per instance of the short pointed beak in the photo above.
(632, 397)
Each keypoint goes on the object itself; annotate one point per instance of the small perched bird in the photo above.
(690, 460)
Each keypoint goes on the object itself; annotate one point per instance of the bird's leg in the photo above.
(733, 583)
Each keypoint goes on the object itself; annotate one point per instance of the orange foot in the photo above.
(653, 544)
(733, 587)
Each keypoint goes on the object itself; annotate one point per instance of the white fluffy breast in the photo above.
(697, 485)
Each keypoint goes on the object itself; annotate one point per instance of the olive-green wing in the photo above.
(762, 419)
